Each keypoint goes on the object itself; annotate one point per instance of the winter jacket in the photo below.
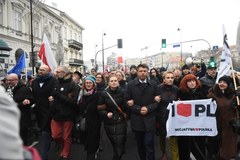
(143, 94)
(88, 109)
(225, 112)
(41, 89)
(64, 105)
(116, 127)
(20, 93)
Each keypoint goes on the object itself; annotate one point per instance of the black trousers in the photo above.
(145, 144)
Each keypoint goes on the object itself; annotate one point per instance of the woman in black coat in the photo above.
(115, 122)
(88, 99)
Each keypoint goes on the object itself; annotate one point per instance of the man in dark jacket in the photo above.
(139, 96)
(42, 86)
(133, 73)
(22, 95)
(63, 106)
(209, 79)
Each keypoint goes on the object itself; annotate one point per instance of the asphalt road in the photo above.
(78, 153)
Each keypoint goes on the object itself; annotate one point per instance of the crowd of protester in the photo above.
(111, 99)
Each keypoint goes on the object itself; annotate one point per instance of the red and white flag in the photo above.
(46, 55)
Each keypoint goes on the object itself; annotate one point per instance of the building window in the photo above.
(36, 29)
(65, 32)
(1, 14)
(76, 36)
(70, 34)
(18, 20)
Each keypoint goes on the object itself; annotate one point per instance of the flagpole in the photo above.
(31, 24)
(25, 67)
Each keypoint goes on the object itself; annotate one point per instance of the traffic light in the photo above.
(119, 43)
(33, 59)
(164, 43)
(212, 63)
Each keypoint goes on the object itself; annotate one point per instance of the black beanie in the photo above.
(185, 67)
(133, 66)
(225, 79)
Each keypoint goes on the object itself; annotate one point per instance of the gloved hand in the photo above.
(237, 92)
(234, 104)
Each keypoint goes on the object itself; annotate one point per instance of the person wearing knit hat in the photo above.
(133, 66)
(225, 79)
(133, 73)
(225, 143)
(91, 78)
(87, 103)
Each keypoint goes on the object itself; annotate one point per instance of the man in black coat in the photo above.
(22, 95)
(42, 86)
(140, 97)
(63, 107)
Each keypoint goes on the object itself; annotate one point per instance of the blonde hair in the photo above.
(122, 73)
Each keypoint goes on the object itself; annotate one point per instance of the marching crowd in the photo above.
(110, 100)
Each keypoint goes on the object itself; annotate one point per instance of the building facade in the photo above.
(64, 34)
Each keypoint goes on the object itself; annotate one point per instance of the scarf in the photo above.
(84, 92)
(41, 79)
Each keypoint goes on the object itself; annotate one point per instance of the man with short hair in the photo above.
(133, 73)
(139, 96)
(42, 86)
(209, 79)
(22, 95)
(63, 105)
(93, 72)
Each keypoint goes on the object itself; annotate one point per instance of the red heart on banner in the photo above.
(184, 109)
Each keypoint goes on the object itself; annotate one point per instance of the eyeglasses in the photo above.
(60, 72)
(98, 77)
(11, 79)
(42, 70)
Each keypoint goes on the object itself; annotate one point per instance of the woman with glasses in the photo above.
(101, 82)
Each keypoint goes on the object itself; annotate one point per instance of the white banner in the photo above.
(192, 118)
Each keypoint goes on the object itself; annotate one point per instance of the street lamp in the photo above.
(104, 34)
(180, 43)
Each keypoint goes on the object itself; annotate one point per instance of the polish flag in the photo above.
(46, 55)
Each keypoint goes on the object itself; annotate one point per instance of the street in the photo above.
(78, 153)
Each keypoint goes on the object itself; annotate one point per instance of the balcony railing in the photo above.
(75, 62)
(4, 54)
(75, 44)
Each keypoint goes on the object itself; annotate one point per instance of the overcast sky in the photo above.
(143, 23)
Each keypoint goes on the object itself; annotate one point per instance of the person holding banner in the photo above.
(190, 89)
(168, 93)
(224, 146)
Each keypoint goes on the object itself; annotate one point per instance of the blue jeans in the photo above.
(145, 144)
